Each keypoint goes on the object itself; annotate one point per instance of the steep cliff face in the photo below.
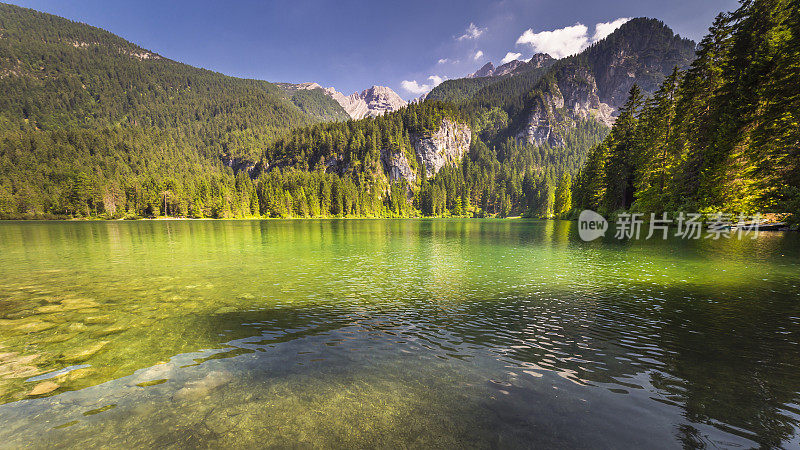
(397, 167)
(642, 51)
(538, 128)
(446, 146)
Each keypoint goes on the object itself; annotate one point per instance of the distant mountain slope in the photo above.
(371, 102)
(314, 101)
(463, 89)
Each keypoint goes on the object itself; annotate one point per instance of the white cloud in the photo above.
(557, 43)
(568, 40)
(443, 61)
(473, 32)
(603, 29)
(415, 88)
(510, 57)
(478, 55)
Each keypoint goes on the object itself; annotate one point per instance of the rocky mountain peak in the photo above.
(373, 101)
(540, 60)
(508, 68)
(486, 71)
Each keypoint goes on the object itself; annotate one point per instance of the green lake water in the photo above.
(394, 333)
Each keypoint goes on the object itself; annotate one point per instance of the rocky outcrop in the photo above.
(445, 146)
(538, 129)
(486, 71)
(508, 68)
(580, 96)
(540, 60)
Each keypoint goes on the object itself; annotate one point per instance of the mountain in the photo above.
(371, 102)
(58, 74)
(490, 83)
(545, 98)
(594, 83)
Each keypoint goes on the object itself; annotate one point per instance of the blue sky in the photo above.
(407, 45)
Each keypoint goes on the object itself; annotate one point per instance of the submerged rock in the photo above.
(157, 372)
(43, 388)
(195, 390)
(85, 353)
(12, 365)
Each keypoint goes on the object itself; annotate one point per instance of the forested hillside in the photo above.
(91, 124)
(722, 136)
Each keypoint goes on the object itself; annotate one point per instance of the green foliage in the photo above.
(562, 203)
(459, 90)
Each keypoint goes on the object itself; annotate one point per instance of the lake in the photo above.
(394, 333)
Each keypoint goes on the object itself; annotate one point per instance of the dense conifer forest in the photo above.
(94, 126)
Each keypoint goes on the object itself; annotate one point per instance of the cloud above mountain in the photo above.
(472, 32)
(603, 29)
(568, 41)
(510, 57)
(414, 87)
(478, 55)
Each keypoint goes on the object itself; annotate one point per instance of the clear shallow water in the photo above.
(393, 333)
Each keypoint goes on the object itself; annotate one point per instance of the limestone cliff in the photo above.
(445, 146)
(397, 166)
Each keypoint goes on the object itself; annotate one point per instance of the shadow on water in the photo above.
(423, 333)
